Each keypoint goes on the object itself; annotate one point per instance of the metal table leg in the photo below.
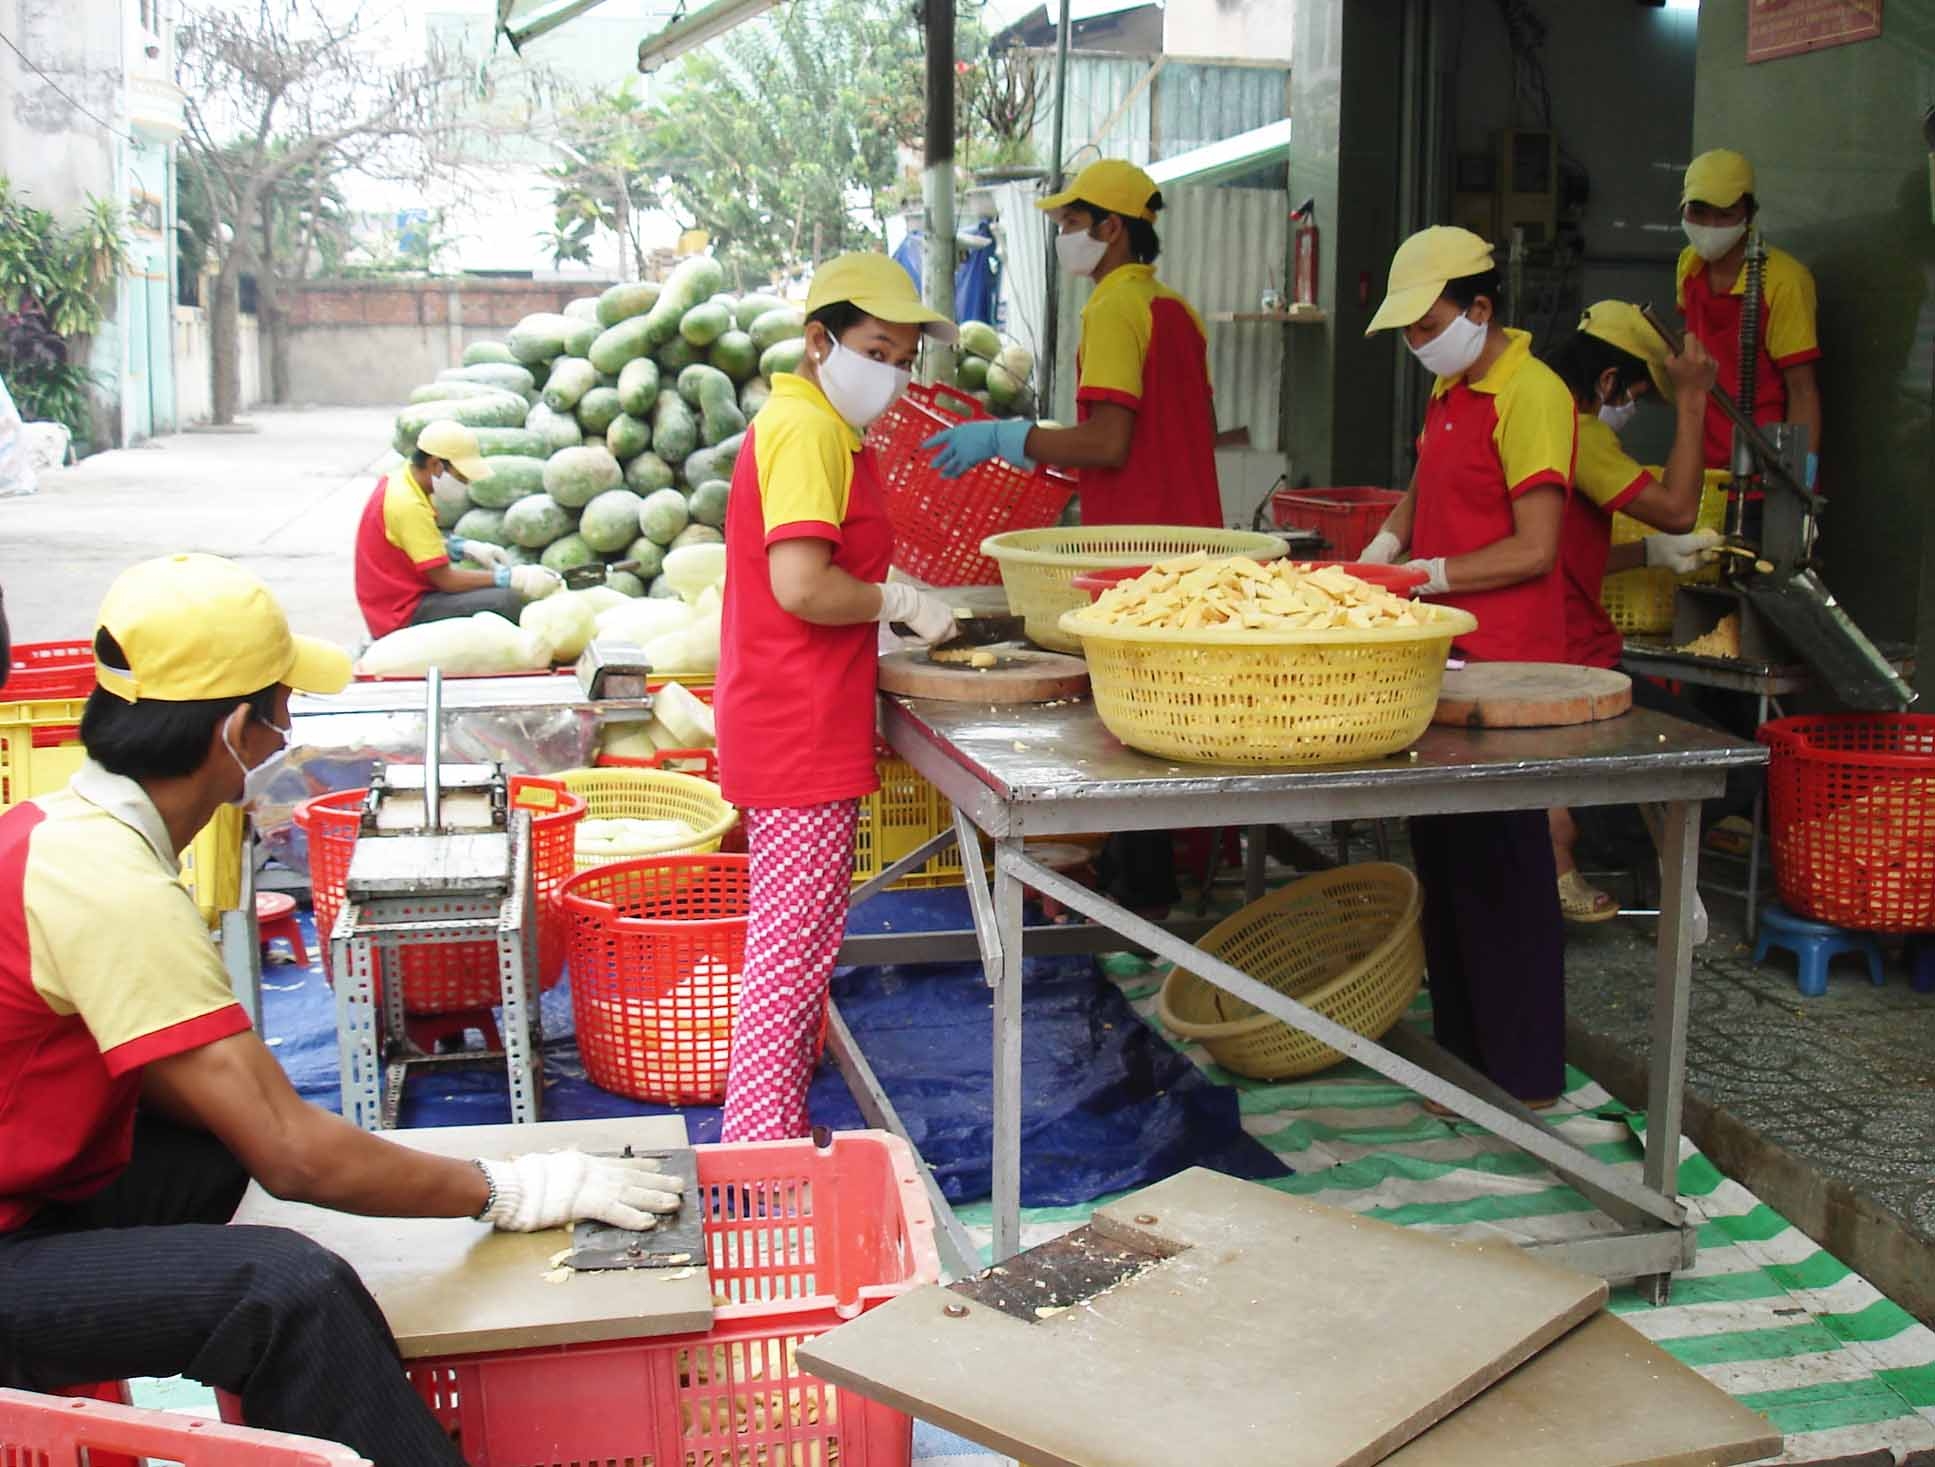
(1672, 998)
(1007, 1053)
(1256, 862)
(1753, 845)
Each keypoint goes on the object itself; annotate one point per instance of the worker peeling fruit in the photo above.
(1195, 593)
(141, 1101)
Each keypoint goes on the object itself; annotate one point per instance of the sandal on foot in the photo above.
(1581, 901)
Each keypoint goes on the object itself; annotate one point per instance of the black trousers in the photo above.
(144, 1279)
(1494, 945)
(443, 605)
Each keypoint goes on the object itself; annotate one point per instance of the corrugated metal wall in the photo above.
(1186, 106)
(1197, 105)
(1096, 87)
(1221, 249)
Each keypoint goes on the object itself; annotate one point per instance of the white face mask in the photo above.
(860, 388)
(1079, 252)
(1711, 242)
(1616, 415)
(1453, 349)
(256, 781)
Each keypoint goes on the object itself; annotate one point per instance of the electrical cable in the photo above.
(55, 87)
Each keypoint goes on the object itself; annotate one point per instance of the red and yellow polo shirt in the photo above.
(795, 701)
(105, 966)
(396, 542)
(1606, 480)
(1484, 444)
(1143, 347)
(1787, 337)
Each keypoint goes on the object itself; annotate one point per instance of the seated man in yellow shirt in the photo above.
(136, 1102)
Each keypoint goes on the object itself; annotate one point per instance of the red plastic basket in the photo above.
(657, 950)
(1347, 518)
(1398, 578)
(1851, 800)
(799, 1239)
(939, 523)
(55, 1431)
(50, 670)
(458, 976)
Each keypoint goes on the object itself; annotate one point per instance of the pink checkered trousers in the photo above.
(801, 863)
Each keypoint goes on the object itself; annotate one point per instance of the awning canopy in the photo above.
(1229, 158)
(519, 21)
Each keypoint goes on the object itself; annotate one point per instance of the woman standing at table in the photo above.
(1610, 364)
(807, 551)
(1482, 519)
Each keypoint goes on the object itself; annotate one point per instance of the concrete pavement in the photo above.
(283, 501)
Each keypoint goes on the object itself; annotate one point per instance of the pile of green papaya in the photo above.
(613, 426)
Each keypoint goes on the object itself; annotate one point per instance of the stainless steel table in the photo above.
(1048, 770)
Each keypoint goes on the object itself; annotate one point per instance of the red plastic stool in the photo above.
(275, 916)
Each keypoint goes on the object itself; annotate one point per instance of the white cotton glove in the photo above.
(534, 582)
(1434, 576)
(1681, 554)
(928, 617)
(1384, 549)
(548, 1189)
(487, 555)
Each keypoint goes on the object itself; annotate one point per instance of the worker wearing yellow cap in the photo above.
(1145, 439)
(406, 568)
(1482, 520)
(137, 1103)
(1718, 206)
(1612, 363)
(808, 545)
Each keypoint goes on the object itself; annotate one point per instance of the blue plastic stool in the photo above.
(1920, 952)
(1814, 944)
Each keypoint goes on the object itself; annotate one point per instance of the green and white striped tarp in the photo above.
(1765, 1313)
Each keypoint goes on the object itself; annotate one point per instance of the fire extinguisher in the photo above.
(1304, 272)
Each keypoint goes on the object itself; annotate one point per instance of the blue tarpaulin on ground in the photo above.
(1108, 1105)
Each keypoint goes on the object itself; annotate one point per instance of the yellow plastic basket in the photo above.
(1037, 566)
(1229, 696)
(211, 867)
(1345, 943)
(1640, 602)
(651, 794)
(40, 746)
(901, 816)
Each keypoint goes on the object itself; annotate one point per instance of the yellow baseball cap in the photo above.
(457, 446)
(1619, 323)
(879, 287)
(1108, 183)
(1720, 178)
(1420, 269)
(198, 627)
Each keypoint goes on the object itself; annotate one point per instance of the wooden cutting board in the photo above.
(1261, 1328)
(1019, 675)
(450, 1286)
(1531, 695)
(1604, 1396)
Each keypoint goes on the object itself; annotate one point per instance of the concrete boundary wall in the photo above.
(370, 342)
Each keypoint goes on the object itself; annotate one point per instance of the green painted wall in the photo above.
(1843, 181)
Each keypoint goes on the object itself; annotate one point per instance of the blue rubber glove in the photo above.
(962, 447)
(1813, 469)
(455, 547)
(500, 577)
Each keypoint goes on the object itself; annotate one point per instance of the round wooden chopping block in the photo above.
(1019, 675)
(1531, 695)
